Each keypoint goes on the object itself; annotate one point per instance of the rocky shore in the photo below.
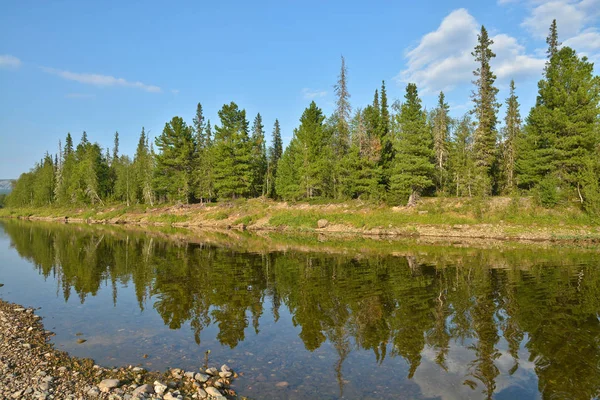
(30, 368)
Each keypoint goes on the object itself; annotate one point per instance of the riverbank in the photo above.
(495, 218)
(31, 368)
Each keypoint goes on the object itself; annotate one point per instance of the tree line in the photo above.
(393, 153)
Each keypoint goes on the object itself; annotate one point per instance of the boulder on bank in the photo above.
(322, 223)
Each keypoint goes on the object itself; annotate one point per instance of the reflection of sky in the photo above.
(437, 383)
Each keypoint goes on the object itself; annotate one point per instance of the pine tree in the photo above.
(461, 158)
(385, 139)
(441, 131)
(552, 40)
(413, 167)
(361, 172)
(202, 169)
(486, 108)
(274, 155)
(308, 160)
(174, 161)
(233, 175)
(343, 109)
(259, 157)
(143, 171)
(512, 134)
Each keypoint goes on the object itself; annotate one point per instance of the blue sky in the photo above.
(70, 66)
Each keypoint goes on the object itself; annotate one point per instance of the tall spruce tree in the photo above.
(385, 139)
(343, 109)
(232, 163)
(441, 131)
(511, 134)
(202, 171)
(143, 171)
(258, 157)
(304, 170)
(274, 155)
(413, 167)
(461, 158)
(552, 40)
(485, 111)
(174, 161)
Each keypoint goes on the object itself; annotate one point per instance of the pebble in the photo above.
(108, 384)
(225, 374)
(211, 391)
(159, 387)
(30, 368)
(147, 389)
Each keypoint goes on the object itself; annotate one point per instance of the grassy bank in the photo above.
(494, 218)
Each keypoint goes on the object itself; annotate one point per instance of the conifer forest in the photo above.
(390, 152)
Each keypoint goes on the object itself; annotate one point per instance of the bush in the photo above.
(547, 192)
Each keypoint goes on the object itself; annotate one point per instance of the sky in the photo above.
(70, 66)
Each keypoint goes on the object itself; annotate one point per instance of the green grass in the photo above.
(168, 218)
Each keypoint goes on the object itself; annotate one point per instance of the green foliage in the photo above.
(305, 167)
(232, 154)
(413, 166)
(485, 110)
(174, 161)
(548, 191)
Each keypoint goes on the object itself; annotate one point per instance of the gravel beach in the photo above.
(31, 368)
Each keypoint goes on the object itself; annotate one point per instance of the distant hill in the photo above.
(5, 185)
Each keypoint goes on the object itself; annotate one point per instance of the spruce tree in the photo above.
(385, 139)
(552, 40)
(461, 158)
(174, 161)
(512, 134)
(441, 131)
(274, 155)
(305, 167)
(232, 164)
(259, 157)
(343, 109)
(413, 165)
(485, 111)
(143, 171)
(202, 169)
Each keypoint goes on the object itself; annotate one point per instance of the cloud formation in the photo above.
(442, 60)
(310, 94)
(8, 61)
(100, 80)
(577, 22)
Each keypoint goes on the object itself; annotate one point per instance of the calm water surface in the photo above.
(362, 320)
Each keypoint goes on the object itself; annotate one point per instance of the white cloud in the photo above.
(577, 22)
(511, 61)
(100, 80)
(8, 61)
(570, 17)
(443, 60)
(310, 94)
(175, 91)
(588, 40)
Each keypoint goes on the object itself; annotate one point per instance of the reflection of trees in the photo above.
(390, 305)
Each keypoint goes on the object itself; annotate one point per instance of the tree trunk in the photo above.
(413, 198)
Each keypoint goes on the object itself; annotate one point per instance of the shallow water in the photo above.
(364, 320)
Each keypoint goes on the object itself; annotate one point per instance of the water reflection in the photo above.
(467, 322)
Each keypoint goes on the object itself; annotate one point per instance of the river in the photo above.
(317, 317)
